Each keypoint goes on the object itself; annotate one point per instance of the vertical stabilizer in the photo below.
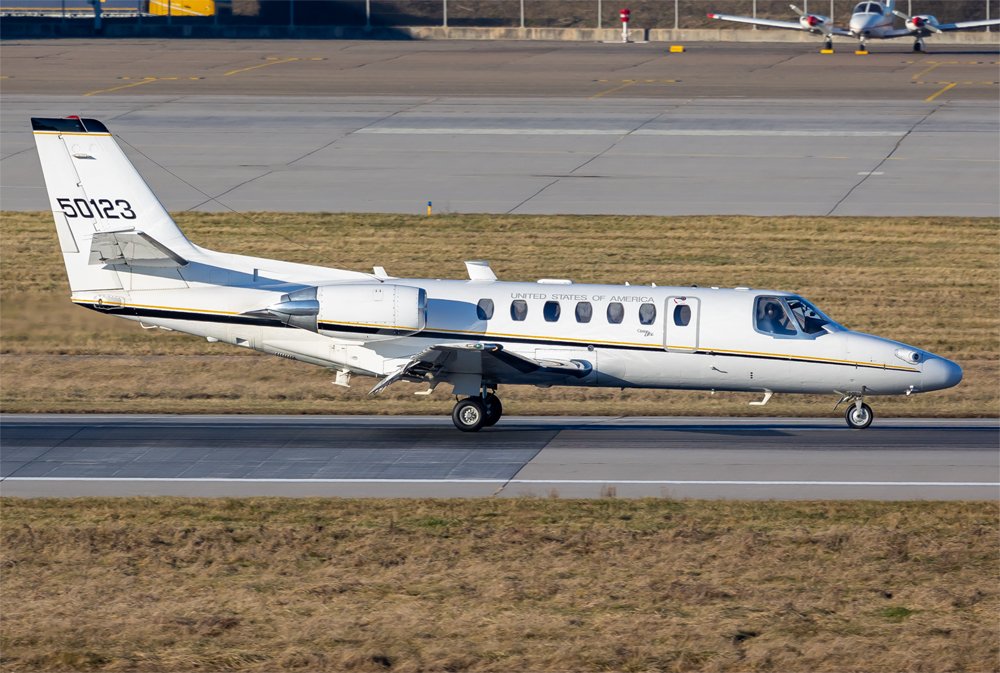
(94, 189)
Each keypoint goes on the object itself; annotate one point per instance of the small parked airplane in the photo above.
(870, 19)
(125, 256)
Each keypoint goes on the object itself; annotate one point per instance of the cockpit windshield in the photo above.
(790, 317)
(868, 8)
(809, 318)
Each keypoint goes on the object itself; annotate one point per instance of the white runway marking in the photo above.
(650, 482)
(761, 133)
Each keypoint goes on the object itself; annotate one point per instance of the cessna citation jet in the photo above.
(125, 256)
(869, 20)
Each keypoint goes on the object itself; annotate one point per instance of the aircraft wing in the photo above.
(965, 25)
(438, 361)
(773, 23)
(133, 248)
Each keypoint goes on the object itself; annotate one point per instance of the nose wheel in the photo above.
(473, 413)
(859, 415)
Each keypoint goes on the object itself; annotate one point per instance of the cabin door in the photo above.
(681, 323)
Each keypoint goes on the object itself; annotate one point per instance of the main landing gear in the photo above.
(918, 46)
(473, 413)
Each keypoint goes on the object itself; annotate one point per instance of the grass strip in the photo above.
(497, 585)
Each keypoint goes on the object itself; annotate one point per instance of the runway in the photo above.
(367, 456)
(528, 128)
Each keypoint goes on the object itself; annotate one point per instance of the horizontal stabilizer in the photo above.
(133, 248)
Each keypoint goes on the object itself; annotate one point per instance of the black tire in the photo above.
(469, 414)
(494, 410)
(917, 48)
(859, 420)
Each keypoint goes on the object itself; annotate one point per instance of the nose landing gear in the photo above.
(473, 413)
(859, 415)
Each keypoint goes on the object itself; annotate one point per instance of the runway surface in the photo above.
(522, 127)
(364, 456)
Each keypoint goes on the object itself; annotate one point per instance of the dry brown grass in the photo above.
(933, 282)
(535, 585)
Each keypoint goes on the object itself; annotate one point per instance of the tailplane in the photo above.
(110, 225)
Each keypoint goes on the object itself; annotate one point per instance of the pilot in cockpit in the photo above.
(775, 320)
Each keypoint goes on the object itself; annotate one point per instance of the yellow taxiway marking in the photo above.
(144, 80)
(948, 87)
(270, 61)
(625, 83)
(934, 64)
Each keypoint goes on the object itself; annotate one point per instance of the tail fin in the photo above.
(108, 221)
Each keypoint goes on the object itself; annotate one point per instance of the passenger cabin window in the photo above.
(484, 309)
(682, 315)
(518, 309)
(771, 317)
(584, 311)
(550, 311)
(647, 314)
(616, 313)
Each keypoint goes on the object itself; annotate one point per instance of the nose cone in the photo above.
(860, 25)
(939, 373)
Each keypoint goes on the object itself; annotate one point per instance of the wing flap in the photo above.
(436, 360)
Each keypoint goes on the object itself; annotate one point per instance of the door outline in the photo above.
(681, 338)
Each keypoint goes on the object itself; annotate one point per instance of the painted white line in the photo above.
(653, 482)
(761, 133)
(871, 173)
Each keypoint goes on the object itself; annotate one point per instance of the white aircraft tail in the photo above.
(113, 232)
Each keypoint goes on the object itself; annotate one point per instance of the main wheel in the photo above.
(918, 47)
(494, 410)
(469, 414)
(828, 45)
(859, 419)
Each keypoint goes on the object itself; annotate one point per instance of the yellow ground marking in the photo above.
(145, 80)
(625, 83)
(272, 60)
(933, 65)
(951, 85)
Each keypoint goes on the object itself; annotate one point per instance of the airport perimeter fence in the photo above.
(646, 14)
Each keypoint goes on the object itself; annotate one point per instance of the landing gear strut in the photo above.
(473, 413)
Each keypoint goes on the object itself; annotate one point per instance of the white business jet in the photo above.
(869, 19)
(125, 256)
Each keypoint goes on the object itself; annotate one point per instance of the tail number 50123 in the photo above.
(105, 209)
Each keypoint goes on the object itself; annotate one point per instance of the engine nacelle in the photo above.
(362, 311)
(813, 22)
(921, 22)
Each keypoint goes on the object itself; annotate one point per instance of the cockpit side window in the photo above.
(770, 317)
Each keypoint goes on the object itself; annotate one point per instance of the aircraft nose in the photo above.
(940, 373)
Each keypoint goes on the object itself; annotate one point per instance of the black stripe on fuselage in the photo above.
(140, 312)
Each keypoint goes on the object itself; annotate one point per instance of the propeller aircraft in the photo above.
(870, 19)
